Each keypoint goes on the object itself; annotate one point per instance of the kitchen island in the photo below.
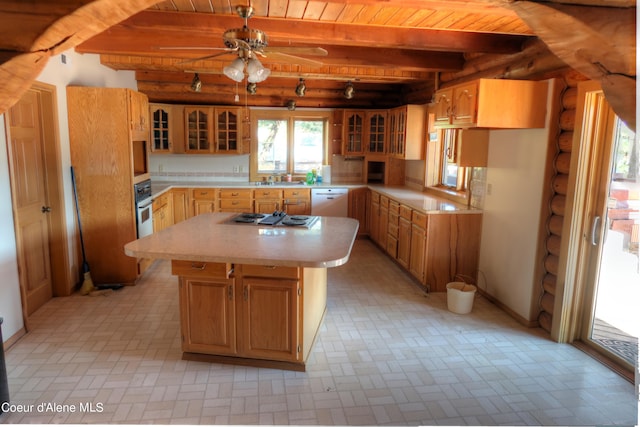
(250, 294)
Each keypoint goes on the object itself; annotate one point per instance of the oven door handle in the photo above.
(145, 203)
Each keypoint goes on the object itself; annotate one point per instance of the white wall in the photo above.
(199, 168)
(511, 217)
(84, 70)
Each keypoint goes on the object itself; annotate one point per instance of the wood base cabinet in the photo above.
(436, 248)
(250, 314)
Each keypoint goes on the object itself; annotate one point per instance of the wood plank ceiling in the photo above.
(390, 51)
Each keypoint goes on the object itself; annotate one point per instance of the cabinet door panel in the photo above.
(270, 319)
(208, 316)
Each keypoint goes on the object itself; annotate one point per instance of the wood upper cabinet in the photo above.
(139, 115)
(228, 125)
(492, 103)
(166, 133)
(375, 132)
(407, 132)
(336, 133)
(354, 132)
(198, 129)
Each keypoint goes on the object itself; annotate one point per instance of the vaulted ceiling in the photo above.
(394, 51)
(387, 49)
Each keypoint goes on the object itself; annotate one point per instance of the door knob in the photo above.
(46, 209)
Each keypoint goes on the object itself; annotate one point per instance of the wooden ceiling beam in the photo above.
(150, 30)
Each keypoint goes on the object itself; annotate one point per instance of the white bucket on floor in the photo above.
(460, 297)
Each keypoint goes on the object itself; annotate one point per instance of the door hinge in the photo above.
(298, 348)
(299, 291)
(230, 291)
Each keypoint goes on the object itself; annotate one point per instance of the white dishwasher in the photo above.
(330, 202)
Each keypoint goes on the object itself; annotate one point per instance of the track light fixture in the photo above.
(349, 91)
(196, 83)
(291, 105)
(301, 88)
(252, 88)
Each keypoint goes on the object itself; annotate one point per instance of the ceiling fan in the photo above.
(248, 43)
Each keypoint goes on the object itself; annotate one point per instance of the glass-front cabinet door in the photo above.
(228, 131)
(160, 129)
(354, 132)
(199, 129)
(376, 132)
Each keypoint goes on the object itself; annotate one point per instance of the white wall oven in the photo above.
(144, 210)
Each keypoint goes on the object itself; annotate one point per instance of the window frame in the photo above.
(434, 179)
(291, 117)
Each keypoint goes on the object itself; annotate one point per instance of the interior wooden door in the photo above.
(30, 202)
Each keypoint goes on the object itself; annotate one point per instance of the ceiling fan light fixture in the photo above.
(257, 73)
(196, 83)
(235, 70)
(349, 91)
(301, 88)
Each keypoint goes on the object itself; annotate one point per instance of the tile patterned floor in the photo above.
(387, 354)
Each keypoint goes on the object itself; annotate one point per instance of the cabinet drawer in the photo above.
(267, 194)
(201, 269)
(160, 201)
(394, 207)
(375, 197)
(235, 204)
(419, 219)
(270, 271)
(203, 193)
(291, 193)
(235, 193)
(392, 230)
(384, 201)
(405, 212)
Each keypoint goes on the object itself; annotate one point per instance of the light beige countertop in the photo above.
(206, 238)
(421, 201)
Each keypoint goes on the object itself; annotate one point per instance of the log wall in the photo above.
(536, 62)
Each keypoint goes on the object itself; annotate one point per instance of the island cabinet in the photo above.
(250, 312)
(248, 295)
(235, 200)
(492, 103)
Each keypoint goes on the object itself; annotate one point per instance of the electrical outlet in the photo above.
(236, 169)
(489, 189)
(160, 167)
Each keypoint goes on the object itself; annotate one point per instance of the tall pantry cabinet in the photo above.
(108, 132)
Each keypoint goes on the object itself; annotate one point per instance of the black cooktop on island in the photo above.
(277, 218)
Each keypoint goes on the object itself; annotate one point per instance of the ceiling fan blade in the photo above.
(279, 56)
(297, 50)
(190, 48)
(202, 58)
